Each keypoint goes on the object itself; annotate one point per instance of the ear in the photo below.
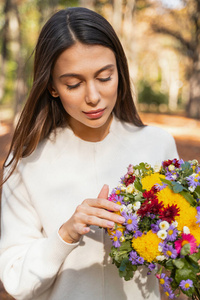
(52, 91)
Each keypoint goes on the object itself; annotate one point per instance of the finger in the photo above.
(103, 214)
(101, 203)
(95, 221)
(104, 192)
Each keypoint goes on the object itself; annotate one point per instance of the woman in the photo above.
(78, 132)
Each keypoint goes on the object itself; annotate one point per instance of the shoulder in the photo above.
(147, 139)
(149, 133)
(49, 148)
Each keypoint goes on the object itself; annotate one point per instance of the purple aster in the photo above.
(119, 199)
(169, 251)
(186, 284)
(133, 257)
(137, 233)
(152, 216)
(140, 260)
(115, 238)
(155, 228)
(151, 266)
(172, 233)
(165, 281)
(198, 215)
(131, 222)
(160, 187)
(168, 292)
(193, 180)
(171, 175)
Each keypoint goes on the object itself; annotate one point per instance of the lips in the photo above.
(94, 114)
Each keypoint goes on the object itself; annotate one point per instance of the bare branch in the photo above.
(189, 45)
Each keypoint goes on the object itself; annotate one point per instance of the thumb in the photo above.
(104, 192)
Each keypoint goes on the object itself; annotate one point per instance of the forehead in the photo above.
(81, 58)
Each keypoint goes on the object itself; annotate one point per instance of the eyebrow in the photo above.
(110, 66)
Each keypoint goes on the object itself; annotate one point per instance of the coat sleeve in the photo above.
(29, 261)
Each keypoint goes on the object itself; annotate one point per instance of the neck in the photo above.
(90, 134)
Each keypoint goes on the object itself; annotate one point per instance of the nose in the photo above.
(92, 94)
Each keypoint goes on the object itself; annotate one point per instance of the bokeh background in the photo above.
(161, 39)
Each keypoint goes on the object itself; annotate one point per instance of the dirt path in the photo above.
(185, 131)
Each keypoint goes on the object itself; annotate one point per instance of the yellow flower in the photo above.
(187, 213)
(147, 246)
(149, 181)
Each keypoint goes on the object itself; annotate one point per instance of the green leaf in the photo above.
(179, 263)
(185, 249)
(184, 274)
(186, 166)
(188, 197)
(123, 264)
(138, 185)
(139, 196)
(169, 264)
(177, 187)
(195, 257)
(168, 182)
(197, 191)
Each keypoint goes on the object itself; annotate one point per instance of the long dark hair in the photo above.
(41, 113)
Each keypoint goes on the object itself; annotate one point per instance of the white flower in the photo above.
(160, 257)
(147, 166)
(175, 223)
(164, 225)
(130, 188)
(186, 230)
(171, 168)
(160, 248)
(123, 208)
(129, 208)
(123, 188)
(162, 234)
(136, 172)
(174, 176)
(157, 167)
(191, 188)
(122, 238)
(136, 205)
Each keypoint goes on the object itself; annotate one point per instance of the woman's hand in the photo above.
(97, 212)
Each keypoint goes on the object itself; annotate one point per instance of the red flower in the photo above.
(129, 180)
(150, 195)
(167, 163)
(169, 213)
(156, 207)
(144, 209)
(150, 206)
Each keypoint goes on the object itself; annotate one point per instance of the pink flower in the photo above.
(130, 169)
(158, 276)
(186, 239)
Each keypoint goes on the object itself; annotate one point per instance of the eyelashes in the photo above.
(71, 87)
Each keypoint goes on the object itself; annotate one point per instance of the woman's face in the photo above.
(85, 77)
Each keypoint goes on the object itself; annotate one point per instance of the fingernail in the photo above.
(117, 207)
(110, 224)
(121, 219)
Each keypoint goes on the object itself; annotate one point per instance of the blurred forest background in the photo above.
(161, 39)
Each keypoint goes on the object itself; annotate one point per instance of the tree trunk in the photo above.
(117, 16)
(193, 107)
(4, 48)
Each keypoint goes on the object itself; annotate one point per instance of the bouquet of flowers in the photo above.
(161, 206)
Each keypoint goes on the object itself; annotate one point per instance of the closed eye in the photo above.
(105, 79)
(70, 87)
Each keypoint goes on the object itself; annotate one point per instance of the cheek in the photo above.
(70, 103)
